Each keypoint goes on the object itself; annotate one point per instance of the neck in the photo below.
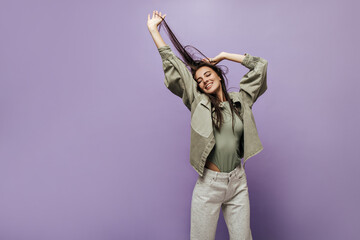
(221, 96)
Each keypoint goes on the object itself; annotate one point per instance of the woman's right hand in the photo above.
(221, 56)
(156, 19)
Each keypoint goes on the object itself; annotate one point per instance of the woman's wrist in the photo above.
(153, 29)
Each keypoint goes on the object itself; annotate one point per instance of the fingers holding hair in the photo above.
(155, 20)
(209, 60)
(158, 14)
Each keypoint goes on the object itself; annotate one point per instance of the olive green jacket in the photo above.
(179, 80)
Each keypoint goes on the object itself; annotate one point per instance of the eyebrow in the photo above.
(203, 74)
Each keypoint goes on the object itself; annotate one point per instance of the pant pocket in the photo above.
(205, 180)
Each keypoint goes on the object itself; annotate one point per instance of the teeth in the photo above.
(209, 85)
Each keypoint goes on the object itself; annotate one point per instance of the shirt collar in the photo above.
(235, 97)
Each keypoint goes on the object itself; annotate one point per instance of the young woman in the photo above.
(223, 131)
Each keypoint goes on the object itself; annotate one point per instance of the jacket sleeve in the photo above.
(178, 78)
(253, 84)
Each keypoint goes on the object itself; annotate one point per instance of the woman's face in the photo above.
(208, 80)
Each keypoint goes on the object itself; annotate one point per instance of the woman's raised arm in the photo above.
(254, 83)
(178, 78)
(152, 24)
(224, 55)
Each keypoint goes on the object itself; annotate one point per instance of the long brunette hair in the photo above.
(194, 64)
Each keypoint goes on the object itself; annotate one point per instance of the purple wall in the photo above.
(93, 146)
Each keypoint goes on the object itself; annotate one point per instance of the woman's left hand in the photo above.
(215, 60)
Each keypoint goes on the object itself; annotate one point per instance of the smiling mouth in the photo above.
(208, 86)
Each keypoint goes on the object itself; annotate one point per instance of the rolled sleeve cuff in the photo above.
(250, 61)
(165, 52)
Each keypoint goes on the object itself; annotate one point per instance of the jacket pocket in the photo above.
(201, 121)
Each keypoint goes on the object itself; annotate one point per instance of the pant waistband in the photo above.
(237, 172)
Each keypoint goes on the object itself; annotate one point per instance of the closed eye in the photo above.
(208, 75)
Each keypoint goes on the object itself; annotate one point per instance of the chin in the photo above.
(212, 90)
